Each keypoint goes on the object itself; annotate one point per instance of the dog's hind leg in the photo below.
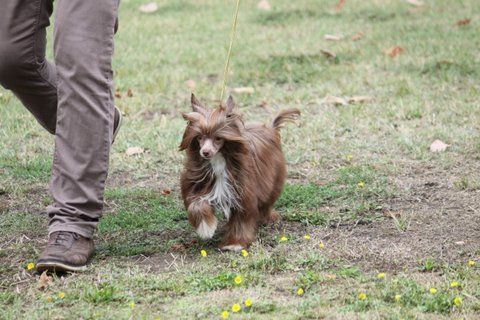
(269, 215)
(201, 216)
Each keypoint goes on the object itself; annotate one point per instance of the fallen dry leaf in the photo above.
(394, 51)
(149, 7)
(332, 37)
(248, 90)
(357, 36)
(263, 104)
(345, 101)
(463, 22)
(166, 191)
(264, 5)
(359, 99)
(393, 214)
(331, 276)
(329, 99)
(119, 95)
(178, 247)
(44, 281)
(438, 146)
(339, 5)
(417, 3)
(328, 53)
(191, 84)
(134, 150)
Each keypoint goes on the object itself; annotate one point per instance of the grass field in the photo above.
(388, 221)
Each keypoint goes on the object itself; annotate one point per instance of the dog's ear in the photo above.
(191, 116)
(196, 105)
(187, 139)
(230, 105)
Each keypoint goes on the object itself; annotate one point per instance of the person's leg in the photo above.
(23, 67)
(83, 47)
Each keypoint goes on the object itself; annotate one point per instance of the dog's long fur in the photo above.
(243, 178)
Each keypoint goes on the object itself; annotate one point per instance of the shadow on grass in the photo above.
(287, 17)
(284, 69)
(446, 70)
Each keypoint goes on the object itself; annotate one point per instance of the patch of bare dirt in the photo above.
(443, 223)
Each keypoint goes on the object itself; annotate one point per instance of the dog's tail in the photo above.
(289, 115)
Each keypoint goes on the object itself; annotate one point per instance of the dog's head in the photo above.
(211, 130)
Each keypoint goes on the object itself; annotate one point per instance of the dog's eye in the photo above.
(199, 138)
(217, 139)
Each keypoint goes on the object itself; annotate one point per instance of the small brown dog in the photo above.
(232, 167)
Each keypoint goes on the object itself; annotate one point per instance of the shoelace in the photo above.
(63, 237)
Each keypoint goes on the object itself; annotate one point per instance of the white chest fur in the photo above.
(222, 195)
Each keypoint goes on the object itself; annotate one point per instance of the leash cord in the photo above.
(227, 64)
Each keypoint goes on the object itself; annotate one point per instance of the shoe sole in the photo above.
(120, 120)
(54, 266)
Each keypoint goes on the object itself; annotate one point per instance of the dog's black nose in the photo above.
(206, 153)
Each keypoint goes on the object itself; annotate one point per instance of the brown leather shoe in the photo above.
(65, 251)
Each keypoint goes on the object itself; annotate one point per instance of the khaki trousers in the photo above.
(71, 97)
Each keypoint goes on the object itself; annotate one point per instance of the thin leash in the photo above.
(229, 54)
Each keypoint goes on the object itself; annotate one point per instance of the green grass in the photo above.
(355, 192)
(361, 179)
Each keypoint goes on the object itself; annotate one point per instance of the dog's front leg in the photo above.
(201, 216)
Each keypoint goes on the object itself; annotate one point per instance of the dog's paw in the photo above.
(205, 230)
(232, 247)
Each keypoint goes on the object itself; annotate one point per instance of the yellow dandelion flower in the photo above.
(283, 239)
(30, 266)
(236, 307)
(244, 253)
(132, 305)
(398, 297)
(225, 314)
(362, 296)
(433, 290)
(300, 291)
(349, 157)
(203, 253)
(454, 284)
(321, 245)
(457, 301)
(307, 237)
(49, 299)
(238, 280)
(361, 184)
(248, 303)
(61, 294)
(381, 275)
(471, 263)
